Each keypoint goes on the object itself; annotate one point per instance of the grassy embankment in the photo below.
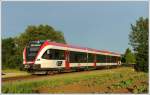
(119, 80)
(13, 73)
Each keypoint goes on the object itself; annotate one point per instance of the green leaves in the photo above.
(138, 38)
(41, 32)
(129, 56)
(8, 53)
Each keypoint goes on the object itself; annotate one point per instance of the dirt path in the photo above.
(17, 78)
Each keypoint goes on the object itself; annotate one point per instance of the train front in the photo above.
(30, 53)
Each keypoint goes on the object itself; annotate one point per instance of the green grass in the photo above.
(11, 70)
(124, 78)
(123, 84)
(140, 89)
(13, 73)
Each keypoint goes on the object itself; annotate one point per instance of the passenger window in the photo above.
(90, 57)
(78, 57)
(54, 54)
(101, 58)
(47, 55)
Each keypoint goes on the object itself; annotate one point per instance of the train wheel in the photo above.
(59, 70)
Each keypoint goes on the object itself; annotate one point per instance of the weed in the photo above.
(122, 84)
(140, 89)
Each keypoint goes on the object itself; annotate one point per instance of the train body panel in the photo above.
(51, 63)
(49, 55)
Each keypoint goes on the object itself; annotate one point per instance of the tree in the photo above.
(8, 52)
(12, 48)
(129, 56)
(41, 32)
(138, 38)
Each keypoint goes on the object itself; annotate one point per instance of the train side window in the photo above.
(108, 59)
(54, 54)
(90, 57)
(82, 57)
(73, 58)
(114, 59)
(47, 54)
(111, 59)
(78, 57)
(59, 54)
(101, 58)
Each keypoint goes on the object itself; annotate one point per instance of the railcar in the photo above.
(46, 56)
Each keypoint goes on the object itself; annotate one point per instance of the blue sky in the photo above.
(99, 25)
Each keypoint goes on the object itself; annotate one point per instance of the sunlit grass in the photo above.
(13, 73)
(124, 77)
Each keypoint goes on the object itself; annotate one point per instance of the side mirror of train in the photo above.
(59, 63)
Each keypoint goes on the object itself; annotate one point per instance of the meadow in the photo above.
(117, 80)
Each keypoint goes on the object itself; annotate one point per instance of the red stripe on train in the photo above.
(24, 54)
(67, 65)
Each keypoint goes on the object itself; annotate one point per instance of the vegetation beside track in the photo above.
(6, 73)
(118, 80)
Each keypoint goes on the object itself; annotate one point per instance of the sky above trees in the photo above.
(99, 25)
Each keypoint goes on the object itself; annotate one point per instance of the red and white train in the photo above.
(50, 56)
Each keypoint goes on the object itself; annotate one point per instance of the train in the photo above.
(46, 56)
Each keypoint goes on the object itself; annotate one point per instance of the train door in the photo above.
(67, 65)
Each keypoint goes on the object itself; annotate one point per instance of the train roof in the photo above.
(72, 46)
(82, 48)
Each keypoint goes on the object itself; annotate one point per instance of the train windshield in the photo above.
(32, 49)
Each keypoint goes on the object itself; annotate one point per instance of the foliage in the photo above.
(140, 89)
(123, 84)
(41, 32)
(12, 48)
(139, 41)
(129, 56)
(8, 53)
